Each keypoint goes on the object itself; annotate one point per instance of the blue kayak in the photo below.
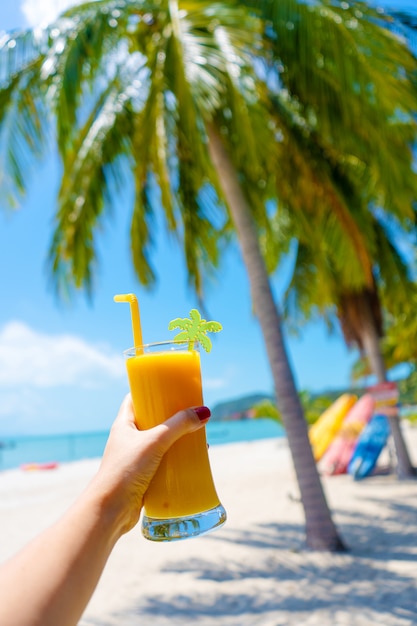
(371, 442)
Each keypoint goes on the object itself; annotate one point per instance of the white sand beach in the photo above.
(255, 571)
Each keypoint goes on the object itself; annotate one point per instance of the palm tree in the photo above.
(198, 101)
(361, 316)
(143, 86)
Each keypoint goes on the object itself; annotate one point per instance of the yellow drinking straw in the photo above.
(134, 312)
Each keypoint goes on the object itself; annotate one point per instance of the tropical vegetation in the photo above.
(378, 194)
(220, 116)
(314, 404)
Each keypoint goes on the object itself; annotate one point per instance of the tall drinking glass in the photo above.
(181, 500)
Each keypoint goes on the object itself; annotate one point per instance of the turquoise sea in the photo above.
(17, 451)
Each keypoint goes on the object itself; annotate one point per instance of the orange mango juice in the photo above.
(162, 383)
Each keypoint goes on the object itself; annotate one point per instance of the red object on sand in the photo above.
(30, 467)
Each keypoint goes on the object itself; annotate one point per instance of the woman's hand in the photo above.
(132, 456)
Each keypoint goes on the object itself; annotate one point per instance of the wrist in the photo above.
(116, 515)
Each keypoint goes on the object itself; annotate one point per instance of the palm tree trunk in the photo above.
(321, 533)
(371, 344)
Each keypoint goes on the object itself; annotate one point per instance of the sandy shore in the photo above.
(255, 571)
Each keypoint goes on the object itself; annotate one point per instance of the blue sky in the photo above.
(61, 366)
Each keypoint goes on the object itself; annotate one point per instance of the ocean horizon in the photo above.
(19, 451)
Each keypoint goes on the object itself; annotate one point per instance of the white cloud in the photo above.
(44, 11)
(39, 360)
(214, 383)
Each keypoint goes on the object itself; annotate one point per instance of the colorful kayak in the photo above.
(370, 444)
(323, 432)
(337, 456)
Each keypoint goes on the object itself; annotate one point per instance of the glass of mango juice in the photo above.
(181, 500)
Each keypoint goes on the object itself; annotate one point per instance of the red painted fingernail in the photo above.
(203, 413)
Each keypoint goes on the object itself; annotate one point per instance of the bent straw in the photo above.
(134, 312)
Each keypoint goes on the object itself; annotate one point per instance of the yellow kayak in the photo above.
(323, 432)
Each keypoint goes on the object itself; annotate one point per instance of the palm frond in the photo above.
(308, 296)
(395, 279)
(24, 120)
(93, 174)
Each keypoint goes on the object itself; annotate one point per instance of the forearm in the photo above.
(51, 580)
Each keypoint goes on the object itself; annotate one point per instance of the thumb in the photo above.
(180, 424)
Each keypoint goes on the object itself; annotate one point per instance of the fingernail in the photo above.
(203, 413)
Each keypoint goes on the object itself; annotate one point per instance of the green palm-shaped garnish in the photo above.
(195, 329)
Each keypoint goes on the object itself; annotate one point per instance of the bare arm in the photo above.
(51, 580)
